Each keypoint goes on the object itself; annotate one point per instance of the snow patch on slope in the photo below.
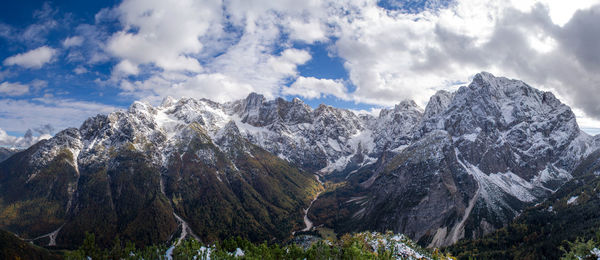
(493, 186)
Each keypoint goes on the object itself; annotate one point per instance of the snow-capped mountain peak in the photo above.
(493, 146)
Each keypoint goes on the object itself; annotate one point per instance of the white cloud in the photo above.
(35, 58)
(288, 60)
(72, 41)
(310, 87)
(225, 49)
(587, 123)
(13, 89)
(307, 31)
(216, 86)
(190, 47)
(38, 84)
(166, 34)
(374, 111)
(25, 141)
(125, 67)
(80, 70)
(20, 115)
(168, 41)
(394, 55)
(20, 89)
(560, 11)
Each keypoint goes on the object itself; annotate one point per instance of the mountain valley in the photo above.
(466, 165)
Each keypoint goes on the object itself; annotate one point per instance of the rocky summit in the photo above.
(473, 161)
(467, 164)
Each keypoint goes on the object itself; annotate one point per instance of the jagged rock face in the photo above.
(140, 173)
(476, 159)
(421, 189)
(437, 104)
(395, 127)
(527, 128)
(325, 139)
(320, 139)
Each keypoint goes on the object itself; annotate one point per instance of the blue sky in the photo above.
(63, 61)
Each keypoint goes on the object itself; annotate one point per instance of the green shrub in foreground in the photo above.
(357, 246)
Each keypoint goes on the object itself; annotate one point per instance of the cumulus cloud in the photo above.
(18, 115)
(38, 84)
(170, 41)
(166, 34)
(13, 89)
(35, 58)
(407, 52)
(308, 31)
(391, 55)
(125, 67)
(310, 87)
(21, 142)
(72, 41)
(223, 50)
(42, 132)
(18, 89)
(80, 70)
(217, 87)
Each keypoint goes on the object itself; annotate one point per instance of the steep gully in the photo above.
(185, 227)
(307, 223)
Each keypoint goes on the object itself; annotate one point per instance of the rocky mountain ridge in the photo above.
(477, 158)
(152, 175)
(465, 165)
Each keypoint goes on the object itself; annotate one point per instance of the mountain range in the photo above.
(467, 164)
(7, 152)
